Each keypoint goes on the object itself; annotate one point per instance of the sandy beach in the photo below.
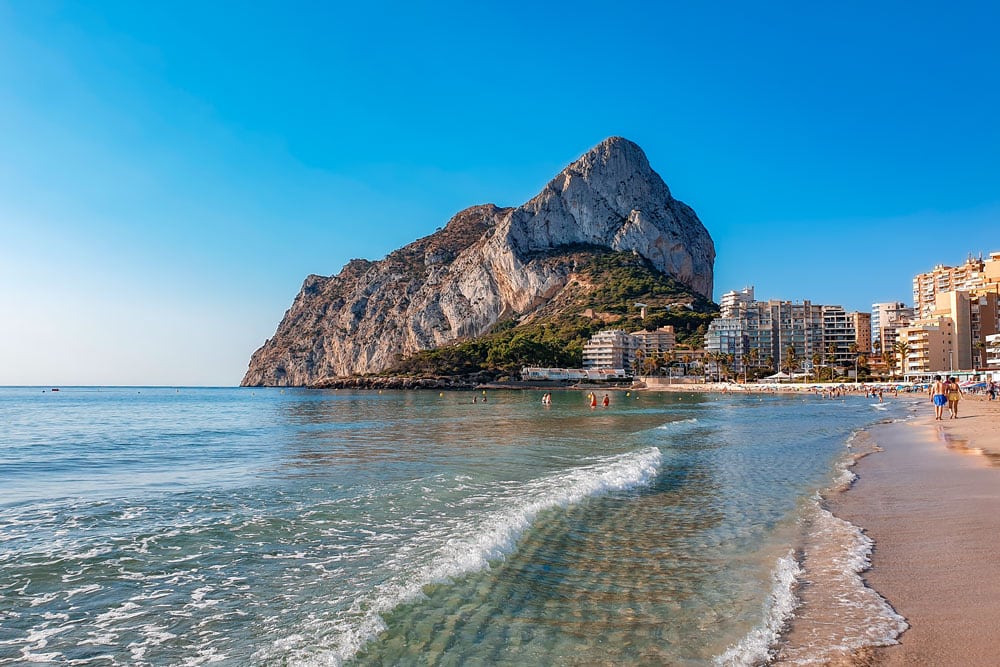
(930, 499)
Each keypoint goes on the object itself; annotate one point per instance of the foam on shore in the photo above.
(756, 647)
(838, 614)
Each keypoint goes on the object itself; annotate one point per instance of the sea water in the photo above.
(153, 526)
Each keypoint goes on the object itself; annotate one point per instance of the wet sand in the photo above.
(931, 502)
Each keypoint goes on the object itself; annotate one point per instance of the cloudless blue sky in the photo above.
(171, 171)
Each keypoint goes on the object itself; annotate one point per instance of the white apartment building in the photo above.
(733, 303)
(887, 318)
(611, 348)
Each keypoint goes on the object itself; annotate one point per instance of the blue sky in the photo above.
(171, 172)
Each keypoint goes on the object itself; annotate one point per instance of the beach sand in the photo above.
(931, 501)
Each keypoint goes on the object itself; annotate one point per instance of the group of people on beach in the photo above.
(943, 393)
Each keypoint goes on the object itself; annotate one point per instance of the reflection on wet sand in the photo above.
(963, 446)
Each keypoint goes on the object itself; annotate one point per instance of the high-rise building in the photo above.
(863, 331)
(886, 319)
(929, 346)
(976, 275)
(783, 334)
(955, 310)
(974, 316)
(732, 303)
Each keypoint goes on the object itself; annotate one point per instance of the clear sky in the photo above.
(171, 171)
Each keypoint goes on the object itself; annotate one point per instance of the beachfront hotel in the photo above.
(761, 334)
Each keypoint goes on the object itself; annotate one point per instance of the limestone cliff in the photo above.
(487, 264)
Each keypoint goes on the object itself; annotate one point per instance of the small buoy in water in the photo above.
(628, 393)
(380, 391)
(441, 394)
(484, 392)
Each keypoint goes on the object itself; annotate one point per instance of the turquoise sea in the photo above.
(156, 526)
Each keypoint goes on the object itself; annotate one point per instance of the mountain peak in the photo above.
(611, 197)
(486, 265)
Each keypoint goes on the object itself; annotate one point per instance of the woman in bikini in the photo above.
(954, 393)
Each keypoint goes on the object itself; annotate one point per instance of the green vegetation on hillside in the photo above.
(609, 285)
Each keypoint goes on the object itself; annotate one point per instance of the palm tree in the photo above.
(752, 356)
(902, 349)
(637, 362)
(668, 361)
(887, 359)
(981, 348)
(707, 361)
(790, 359)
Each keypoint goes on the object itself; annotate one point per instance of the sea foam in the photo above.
(476, 541)
(757, 646)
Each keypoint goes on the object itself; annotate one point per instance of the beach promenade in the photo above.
(931, 501)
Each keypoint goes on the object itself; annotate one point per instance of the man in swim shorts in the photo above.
(938, 397)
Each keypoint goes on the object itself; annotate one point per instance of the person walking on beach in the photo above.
(954, 393)
(937, 392)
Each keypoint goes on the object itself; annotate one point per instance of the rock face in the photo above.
(487, 264)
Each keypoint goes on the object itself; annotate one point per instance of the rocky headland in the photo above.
(492, 266)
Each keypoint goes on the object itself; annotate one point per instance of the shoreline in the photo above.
(930, 500)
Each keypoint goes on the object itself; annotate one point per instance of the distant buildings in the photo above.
(660, 341)
(609, 355)
(782, 334)
(886, 319)
(956, 311)
(612, 348)
(976, 276)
